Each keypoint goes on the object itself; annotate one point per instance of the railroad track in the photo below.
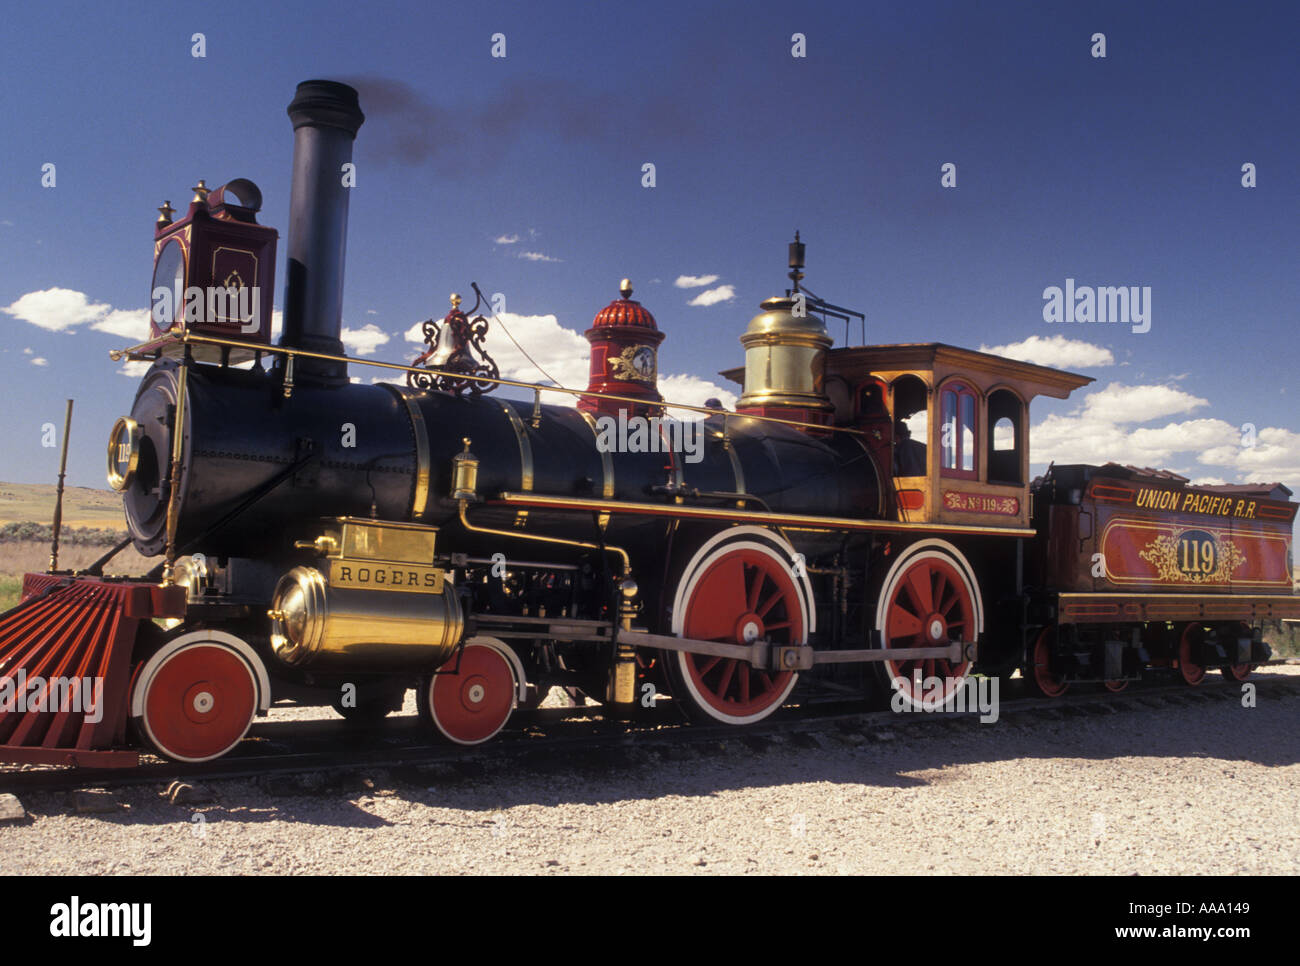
(543, 738)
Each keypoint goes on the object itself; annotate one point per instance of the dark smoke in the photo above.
(406, 126)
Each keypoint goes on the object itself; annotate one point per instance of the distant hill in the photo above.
(83, 506)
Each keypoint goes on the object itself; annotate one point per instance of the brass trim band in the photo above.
(525, 446)
(736, 468)
(423, 471)
(606, 460)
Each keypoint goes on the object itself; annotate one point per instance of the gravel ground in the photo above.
(1207, 788)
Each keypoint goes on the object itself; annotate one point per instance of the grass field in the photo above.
(83, 506)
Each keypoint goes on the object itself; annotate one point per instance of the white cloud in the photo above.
(562, 352)
(134, 369)
(506, 239)
(40, 361)
(695, 281)
(1118, 403)
(27, 352)
(1187, 436)
(1084, 438)
(712, 296)
(130, 324)
(1274, 456)
(56, 309)
(693, 391)
(1056, 351)
(538, 257)
(1104, 430)
(365, 340)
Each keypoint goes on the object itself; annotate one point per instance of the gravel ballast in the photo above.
(1210, 787)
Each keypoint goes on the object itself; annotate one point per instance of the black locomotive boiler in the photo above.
(340, 542)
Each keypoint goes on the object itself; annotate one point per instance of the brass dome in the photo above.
(785, 358)
(778, 323)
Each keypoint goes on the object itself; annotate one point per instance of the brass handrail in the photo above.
(154, 347)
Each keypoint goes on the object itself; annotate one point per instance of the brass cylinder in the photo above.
(342, 629)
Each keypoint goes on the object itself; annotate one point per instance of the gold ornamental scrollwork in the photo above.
(636, 363)
(1163, 553)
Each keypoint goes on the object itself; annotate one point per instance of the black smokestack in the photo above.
(326, 116)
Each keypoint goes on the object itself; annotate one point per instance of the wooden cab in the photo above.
(949, 426)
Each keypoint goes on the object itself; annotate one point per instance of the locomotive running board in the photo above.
(796, 520)
(763, 654)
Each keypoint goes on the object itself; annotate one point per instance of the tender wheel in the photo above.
(1115, 687)
(195, 698)
(470, 706)
(1238, 672)
(1192, 673)
(737, 588)
(1042, 681)
(929, 599)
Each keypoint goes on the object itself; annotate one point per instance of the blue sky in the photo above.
(1122, 171)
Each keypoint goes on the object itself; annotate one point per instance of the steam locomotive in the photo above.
(865, 514)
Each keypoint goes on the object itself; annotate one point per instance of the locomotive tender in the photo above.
(863, 507)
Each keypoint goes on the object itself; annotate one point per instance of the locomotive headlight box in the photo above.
(214, 269)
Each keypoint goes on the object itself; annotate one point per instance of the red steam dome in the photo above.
(624, 356)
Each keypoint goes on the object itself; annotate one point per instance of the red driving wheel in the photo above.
(738, 593)
(928, 604)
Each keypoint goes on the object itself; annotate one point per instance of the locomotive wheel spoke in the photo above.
(903, 624)
(767, 605)
(755, 589)
(726, 677)
(918, 583)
